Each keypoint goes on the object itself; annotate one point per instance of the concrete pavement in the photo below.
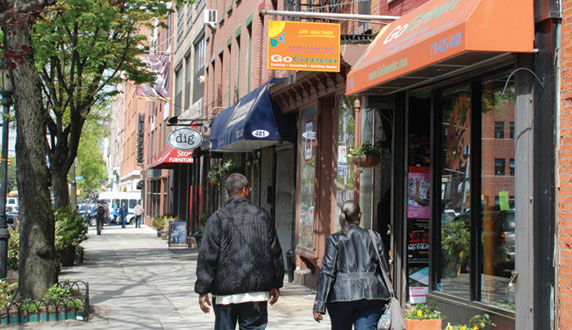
(136, 282)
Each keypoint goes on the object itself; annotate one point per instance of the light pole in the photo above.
(6, 91)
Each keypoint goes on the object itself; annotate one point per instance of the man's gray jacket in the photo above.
(239, 251)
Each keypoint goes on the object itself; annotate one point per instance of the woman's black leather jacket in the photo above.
(350, 269)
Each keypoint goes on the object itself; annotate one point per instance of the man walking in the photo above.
(138, 211)
(100, 213)
(240, 261)
(123, 214)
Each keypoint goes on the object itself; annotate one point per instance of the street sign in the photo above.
(185, 139)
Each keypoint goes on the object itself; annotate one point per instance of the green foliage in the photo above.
(70, 228)
(220, 173)
(13, 247)
(52, 296)
(368, 149)
(455, 241)
(423, 312)
(7, 292)
(158, 221)
(479, 321)
(203, 219)
(90, 162)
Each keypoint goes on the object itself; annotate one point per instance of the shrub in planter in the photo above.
(70, 232)
(423, 317)
(367, 154)
(479, 321)
(158, 223)
(13, 247)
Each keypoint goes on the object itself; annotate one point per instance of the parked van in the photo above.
(130, 199)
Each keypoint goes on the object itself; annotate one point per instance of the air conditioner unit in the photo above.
(210, 17)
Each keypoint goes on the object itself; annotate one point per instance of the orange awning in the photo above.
(441, 37)
(169, 157)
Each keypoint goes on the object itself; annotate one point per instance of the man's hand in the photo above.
(274, 294)
(318, 316)
(205, 302)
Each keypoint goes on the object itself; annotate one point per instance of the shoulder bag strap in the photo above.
(383, 271)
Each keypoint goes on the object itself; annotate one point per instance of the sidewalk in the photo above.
(136, 282)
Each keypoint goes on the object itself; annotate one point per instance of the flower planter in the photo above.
(212, 181)
(366, 160)
(159, 231)
(423, 324)
(68, 256)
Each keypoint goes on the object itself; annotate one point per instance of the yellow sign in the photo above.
(303, 46)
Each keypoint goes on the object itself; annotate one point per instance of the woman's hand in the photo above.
(318, 316)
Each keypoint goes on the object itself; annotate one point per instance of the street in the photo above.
(136, 282)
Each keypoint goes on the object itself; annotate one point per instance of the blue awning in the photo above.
(253, 123)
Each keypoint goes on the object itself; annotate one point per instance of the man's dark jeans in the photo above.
(250, 316)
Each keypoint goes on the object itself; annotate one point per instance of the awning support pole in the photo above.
(331, 16)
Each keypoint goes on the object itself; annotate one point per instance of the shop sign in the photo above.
(308, 136)
(185, 139)
(303, 46)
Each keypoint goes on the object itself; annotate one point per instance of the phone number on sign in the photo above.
(446, 43)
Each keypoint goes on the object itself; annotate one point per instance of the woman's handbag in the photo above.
(391, 319)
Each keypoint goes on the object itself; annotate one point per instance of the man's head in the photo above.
(237, 185)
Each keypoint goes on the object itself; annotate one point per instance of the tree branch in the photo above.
(27, 7)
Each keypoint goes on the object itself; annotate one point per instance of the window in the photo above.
(499, 166)
(188, 75)
(248, 56)
(229, 73)
(454, 271)
(499, 130)
(237, 88)
(189, 16)
(307, 160)
(178, 92)
(497, 219)
(180, 23)
(166, 133)
(200, 55)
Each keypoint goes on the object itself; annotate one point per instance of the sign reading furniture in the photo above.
(303, 46)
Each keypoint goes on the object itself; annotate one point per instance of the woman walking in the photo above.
(351, 285)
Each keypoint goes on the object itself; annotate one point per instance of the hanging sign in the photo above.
(185, 139)
(303, 46)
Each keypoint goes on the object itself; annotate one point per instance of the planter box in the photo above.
(44, 318)
(423, 324)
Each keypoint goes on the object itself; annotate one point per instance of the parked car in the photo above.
(87, 212)
(12, 213)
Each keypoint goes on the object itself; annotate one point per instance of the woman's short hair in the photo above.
(235, 182)
(349, 213)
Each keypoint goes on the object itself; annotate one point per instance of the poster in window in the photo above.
(308, 135)
(418, 192)
(178, 234)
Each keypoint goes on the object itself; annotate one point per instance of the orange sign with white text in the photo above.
(303, 46)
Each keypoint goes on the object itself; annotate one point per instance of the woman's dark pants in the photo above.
(363, 314)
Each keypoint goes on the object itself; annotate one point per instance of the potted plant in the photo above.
(367, 154)
(70, 232)
(479, 321)
(158, 223)
(198, 235)
(423, 317)
(216, 176)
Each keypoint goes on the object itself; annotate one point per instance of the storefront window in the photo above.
(366, 194)
(497, 189)
(345, 182)
(307, 161)
(456, 193)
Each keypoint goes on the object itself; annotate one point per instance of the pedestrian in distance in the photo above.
(138, 211)
(100, 215)
(115, 212)
(351, 284)
(123, 214)
(240, 261)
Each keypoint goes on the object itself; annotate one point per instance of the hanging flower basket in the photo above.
(212, 181)
(366, 160)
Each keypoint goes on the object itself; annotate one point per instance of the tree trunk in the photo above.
(38, 263)
(60, 186)
(73, 181)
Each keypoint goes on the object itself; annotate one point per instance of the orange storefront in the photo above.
(453, 88)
